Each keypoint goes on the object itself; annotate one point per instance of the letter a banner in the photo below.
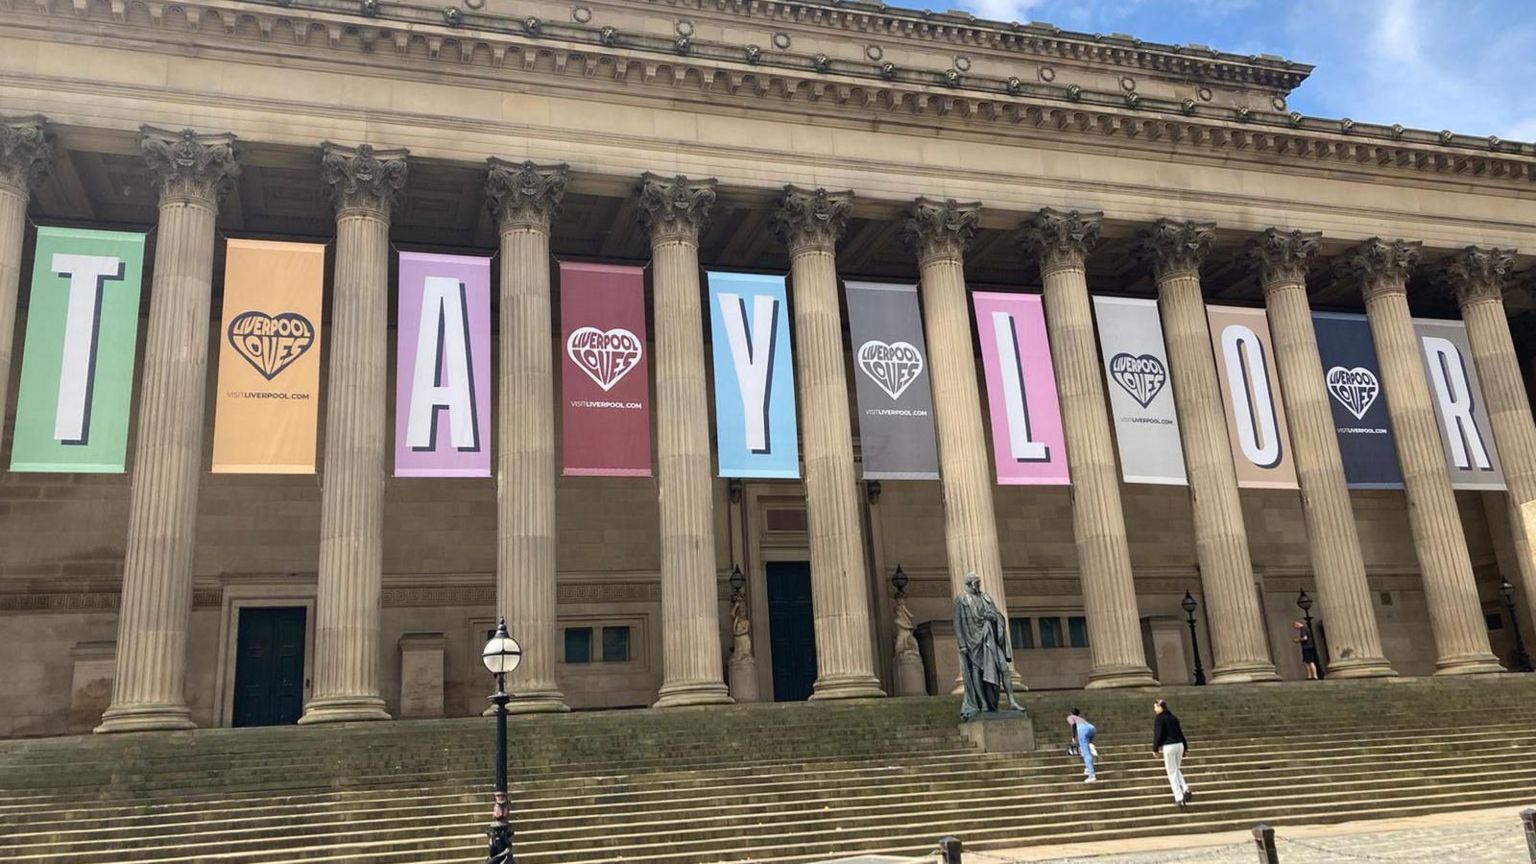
(1245, 369)
(443, 367)
(606, 418)
(1353, 379)
(269, 358)
(754, 376)
(1140, 391)
(77, 372)
(1027, 441)
(1459, 406)
(896, 435)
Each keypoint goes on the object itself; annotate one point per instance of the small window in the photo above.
(615, 644)
(1494, 620)
(1020, 634)
(1050, 633)
(1077, 631)
(578, 645)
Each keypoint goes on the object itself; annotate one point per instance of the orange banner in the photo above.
(269, 358)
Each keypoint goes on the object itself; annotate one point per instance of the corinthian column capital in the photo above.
(363, 178)
(1381, 266)
(1062, 239)
(1175, 247)
(25, 151)
(524, 194)
(675, 208)
(191, 166)
(1479, 274)
(812, 219)
(940, 229)
(1282, 257)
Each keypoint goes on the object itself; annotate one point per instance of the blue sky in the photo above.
(1464, 65)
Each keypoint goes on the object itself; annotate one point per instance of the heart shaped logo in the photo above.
(1356, 389)
(271, 343)
(605, 355)
(1142, 375)
(893, 366)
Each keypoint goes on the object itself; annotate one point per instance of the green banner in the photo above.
(77, 365)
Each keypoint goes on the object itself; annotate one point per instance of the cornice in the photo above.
(745, 71)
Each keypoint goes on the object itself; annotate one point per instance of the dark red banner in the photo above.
(605, 383)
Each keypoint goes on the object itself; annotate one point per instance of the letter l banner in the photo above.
(1028, 444)
(754, 376)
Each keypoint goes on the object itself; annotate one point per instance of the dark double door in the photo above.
(791, 630)
(269, 666)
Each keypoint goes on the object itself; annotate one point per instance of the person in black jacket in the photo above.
(1168, 742)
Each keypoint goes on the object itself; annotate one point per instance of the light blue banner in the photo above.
(754, 376)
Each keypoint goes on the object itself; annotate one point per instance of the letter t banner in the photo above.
(1028, 444)
(754, 376)
(82, 332)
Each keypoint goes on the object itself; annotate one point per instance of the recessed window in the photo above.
(1494, 620)
(1077, 631)
(578, 645)
(1020, 634)
(615, 644)
(1050, 633)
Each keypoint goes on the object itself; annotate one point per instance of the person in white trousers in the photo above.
(1168, 742)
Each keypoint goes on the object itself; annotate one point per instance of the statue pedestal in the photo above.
(743, 683)
(1001, 732)
(910, 678)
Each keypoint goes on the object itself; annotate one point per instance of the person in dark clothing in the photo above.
(1308, 647)
(1168, 742)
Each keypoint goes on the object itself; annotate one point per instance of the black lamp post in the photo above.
(1304, 603)
(1190, 606)
(501, 655)
(1522, 658)
(899, 582)
(738, 582)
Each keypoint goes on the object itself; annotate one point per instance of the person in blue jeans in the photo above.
(1083, 733)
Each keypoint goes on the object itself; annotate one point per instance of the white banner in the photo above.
(1465, 432)
(1140, 391)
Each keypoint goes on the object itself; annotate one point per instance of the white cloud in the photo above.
(1001, 10)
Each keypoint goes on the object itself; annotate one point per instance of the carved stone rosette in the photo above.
(25, 152)
(1381, 266)
(675, 208)
(1062, 239)
(363, 177)
(940, 229)
(1478, 275)
(1282, 257)
(1176, 247)
(525, 194)
(191, 167)
(812, 220)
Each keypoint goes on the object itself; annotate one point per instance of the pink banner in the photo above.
(443, 367)
(604, 382)
(1027, 442)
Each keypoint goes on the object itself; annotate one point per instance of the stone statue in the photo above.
(906, 644)
(741, 630)
(986, 658)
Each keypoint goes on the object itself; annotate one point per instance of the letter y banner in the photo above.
(754, 376)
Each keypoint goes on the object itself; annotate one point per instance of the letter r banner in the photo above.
(1465, 433)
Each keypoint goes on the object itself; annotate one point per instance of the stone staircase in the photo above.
(780, 783)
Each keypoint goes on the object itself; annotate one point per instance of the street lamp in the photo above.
(501, 655)
(1522, 658)
(1304, 603)
(1190, 606)
(899, 582)
(738, 582)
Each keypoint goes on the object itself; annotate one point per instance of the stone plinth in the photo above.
(941, 656)
(421, 675)
(90, 687)
(743, 683)
(1001, 732)
(910, 677)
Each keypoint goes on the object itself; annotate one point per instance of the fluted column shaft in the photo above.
(1236, 623)
(24, 156)
(675, 209)
(1455, 612)
(364, 184)
(1354, 645)
(156, 603)
(1062, 242)
(811, 223)
(525, 197)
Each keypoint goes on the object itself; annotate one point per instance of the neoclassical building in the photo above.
(831, 142)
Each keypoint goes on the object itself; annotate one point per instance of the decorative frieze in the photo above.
(1282, 256)
(1381, 266)
(525, 194)
(363, 177)
(675, 207)
(1478, 274)
(26, 152)
(940, 229)
(191, 166)
(1176, 248)
(812, 219)
(1062, 238)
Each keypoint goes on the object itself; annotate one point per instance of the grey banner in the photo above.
(1140, 391)
(1465, 433)
(890, 362)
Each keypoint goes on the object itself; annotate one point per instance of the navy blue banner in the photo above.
(1353, 379)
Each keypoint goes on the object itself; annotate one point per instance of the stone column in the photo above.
(525, 198)
(1061, 242)
(810, 223)
(1354, 645)
(939, 231)
(193, 172)
(1236, 624)
(1479, 276)
(364, 184)
(25, 154)
(674, 210)
(1381, 269)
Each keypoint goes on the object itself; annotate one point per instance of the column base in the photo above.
(343, 709)
(1468, 664)
(1105, 677)
(545, 702)
(145, 718)
(693, 693)
(1244, 673)
(1360, 667)
(846, 687)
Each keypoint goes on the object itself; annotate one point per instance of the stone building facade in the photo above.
(689, 133)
